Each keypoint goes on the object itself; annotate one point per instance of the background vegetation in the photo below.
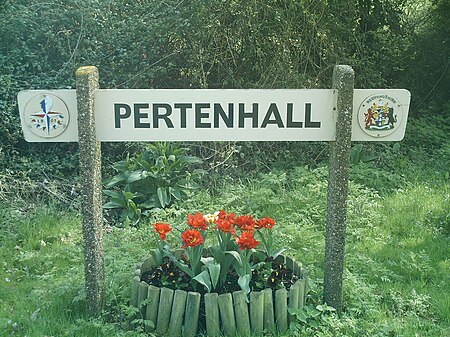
(397, 262)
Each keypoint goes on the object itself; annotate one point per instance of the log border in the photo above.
(225, 314)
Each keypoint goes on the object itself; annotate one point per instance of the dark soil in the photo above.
(269, 274)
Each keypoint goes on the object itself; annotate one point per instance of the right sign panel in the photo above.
(380, 114)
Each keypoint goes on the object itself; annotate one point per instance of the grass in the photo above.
(397, 257)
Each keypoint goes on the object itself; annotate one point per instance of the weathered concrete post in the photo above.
(343, 83)
(90, 174)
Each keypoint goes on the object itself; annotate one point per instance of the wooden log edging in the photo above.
(177, 313)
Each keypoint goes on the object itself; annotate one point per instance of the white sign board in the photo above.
(214, 115)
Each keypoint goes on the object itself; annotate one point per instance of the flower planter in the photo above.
(177, 312)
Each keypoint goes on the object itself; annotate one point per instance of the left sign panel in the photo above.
(48, 116)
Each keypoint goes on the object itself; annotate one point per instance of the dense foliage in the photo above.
(218, 44)
(398, 221)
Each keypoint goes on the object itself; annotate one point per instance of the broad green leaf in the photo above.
(236, 256)
(260, 255)
(192, 160)
(148, 204)
(175, 192)
(128, 195)
(113, 204)
(244, 282)
(163, 196)
(134, 176)
(214, 272)
(116, 180)
(355, 153)
(183, 267)
(157, 256)
(113, 194)
(121, 166)
(204, 279)
(365, 158)
(301, 316)
(213, 268)
(207, 260)
(218, 255)
(277, 252)
(313, 324)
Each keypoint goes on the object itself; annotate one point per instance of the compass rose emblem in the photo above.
(47, 115)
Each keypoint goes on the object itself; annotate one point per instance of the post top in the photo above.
(86, 70)
(343, 77)
(343, 68)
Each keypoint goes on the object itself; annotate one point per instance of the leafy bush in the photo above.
(152, 179)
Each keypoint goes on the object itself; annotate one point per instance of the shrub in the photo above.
(150, 180)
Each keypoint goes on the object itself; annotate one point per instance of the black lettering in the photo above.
(199, 115)
(273, 110)
(308, 123)
(165, 116)
(118, 107)
(183, 107)
(227, 119)
(290, 116)
(253, 115)
(138, 115)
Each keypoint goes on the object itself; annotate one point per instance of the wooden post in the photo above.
(241, 313)
(227, 314)
(269, 314)
(257, 312)
(91, 187)
(212, 314)
(164, 310)
(135, 292)
(177, 315)
(281, 308)
(142, 296)
(192, 314)
(152, 307)
(294, 293)
(343, 83)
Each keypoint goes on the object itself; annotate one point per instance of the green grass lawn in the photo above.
(397, 272)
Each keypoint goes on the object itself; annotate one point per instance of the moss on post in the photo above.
(343, 84)
(91, 201)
